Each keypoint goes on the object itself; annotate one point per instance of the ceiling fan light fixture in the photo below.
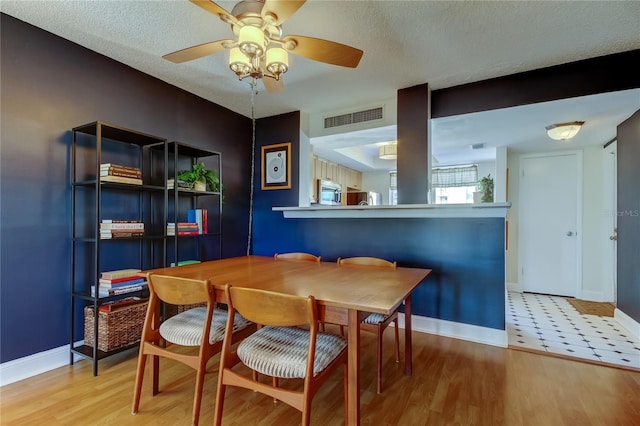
(239, 63)
(388, 151)
(277, 61)
(564, 131)
(251, 41)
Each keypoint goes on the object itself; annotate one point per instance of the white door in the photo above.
(549, 222)
(609, 236)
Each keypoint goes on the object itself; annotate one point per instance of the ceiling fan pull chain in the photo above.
(254, 92)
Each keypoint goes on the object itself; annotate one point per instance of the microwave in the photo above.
(329, 193)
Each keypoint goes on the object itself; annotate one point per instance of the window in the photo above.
(454, 185)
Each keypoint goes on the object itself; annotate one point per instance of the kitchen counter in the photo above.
(498, 210)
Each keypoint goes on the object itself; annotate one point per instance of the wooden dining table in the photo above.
(345, 296)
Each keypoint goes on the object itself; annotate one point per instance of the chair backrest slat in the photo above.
(270, 308)
(180, 291)
(366, 261)
(298, 256)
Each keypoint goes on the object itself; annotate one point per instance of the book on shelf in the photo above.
(120, 226)
(185, 262)
(187, 226)
(120, 179)
(120, 273)
(104, 283)
(119, 304)
(106, 166)
(135, 175)
(119, 280)
(120, 221)
(120, 233)
(106, 292)
(181, 184)
(189, 232)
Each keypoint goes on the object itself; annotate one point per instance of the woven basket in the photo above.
(116, 329)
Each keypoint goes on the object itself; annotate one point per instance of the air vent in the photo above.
(353, 117)
(478, 146)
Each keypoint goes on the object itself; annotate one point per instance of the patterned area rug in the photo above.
(592, 308)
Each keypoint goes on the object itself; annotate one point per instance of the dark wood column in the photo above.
(414, 112)
(629, 216)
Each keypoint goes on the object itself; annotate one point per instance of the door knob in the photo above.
(569, 233)
(613, 238)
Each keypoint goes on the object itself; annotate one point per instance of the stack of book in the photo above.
(114, 228)
(187, 228)
(110, 172)
(121, 281)
(171, 228)
(200, 217)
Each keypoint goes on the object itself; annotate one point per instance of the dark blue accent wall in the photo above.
(48, 86)
(467, 257)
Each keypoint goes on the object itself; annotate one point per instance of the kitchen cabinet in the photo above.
(345, 176)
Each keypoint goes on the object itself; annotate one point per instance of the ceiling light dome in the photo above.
(388, 151)
(564, 131)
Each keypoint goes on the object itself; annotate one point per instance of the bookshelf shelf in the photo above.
(94, 200)
(205, 246)
(152, 161)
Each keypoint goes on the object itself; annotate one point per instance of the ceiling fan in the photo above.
(259, 49)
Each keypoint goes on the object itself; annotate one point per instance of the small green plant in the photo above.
(199, 173)
(485, 186)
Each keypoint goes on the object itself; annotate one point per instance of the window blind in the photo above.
(447, 177)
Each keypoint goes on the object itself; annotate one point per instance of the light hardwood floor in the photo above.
(454, 383)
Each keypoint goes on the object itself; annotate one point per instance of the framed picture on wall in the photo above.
(276, 166)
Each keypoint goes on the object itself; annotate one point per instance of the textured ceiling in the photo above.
(404, 42)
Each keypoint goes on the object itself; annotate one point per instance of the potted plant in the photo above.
(199, 178)
(485, 187)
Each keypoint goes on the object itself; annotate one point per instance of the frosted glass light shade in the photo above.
(388, 152)
(564, 131)
(251, 41)
(277, 61)
(238, 62)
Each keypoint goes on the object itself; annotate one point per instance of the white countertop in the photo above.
(317, 211)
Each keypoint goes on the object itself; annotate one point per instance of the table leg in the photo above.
(353, 394)
(408, 358)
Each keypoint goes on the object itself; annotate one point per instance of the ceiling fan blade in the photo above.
(216, 9)
(195, 52)
(281, 10)
(326, 51)
(272, 85)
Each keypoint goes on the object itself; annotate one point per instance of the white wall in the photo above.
(594, 217)
(377, 182)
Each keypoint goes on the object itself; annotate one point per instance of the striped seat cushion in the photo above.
(375, 319)
(186, 327)
(282, 351)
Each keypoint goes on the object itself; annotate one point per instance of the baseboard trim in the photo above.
(32, 365)
(627, 322)
(456, 330)
(513, 287)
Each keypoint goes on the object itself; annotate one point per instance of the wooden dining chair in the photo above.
(306, 257)
(377, 323)
(279, 348)
(201, 327)
(298, 256)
